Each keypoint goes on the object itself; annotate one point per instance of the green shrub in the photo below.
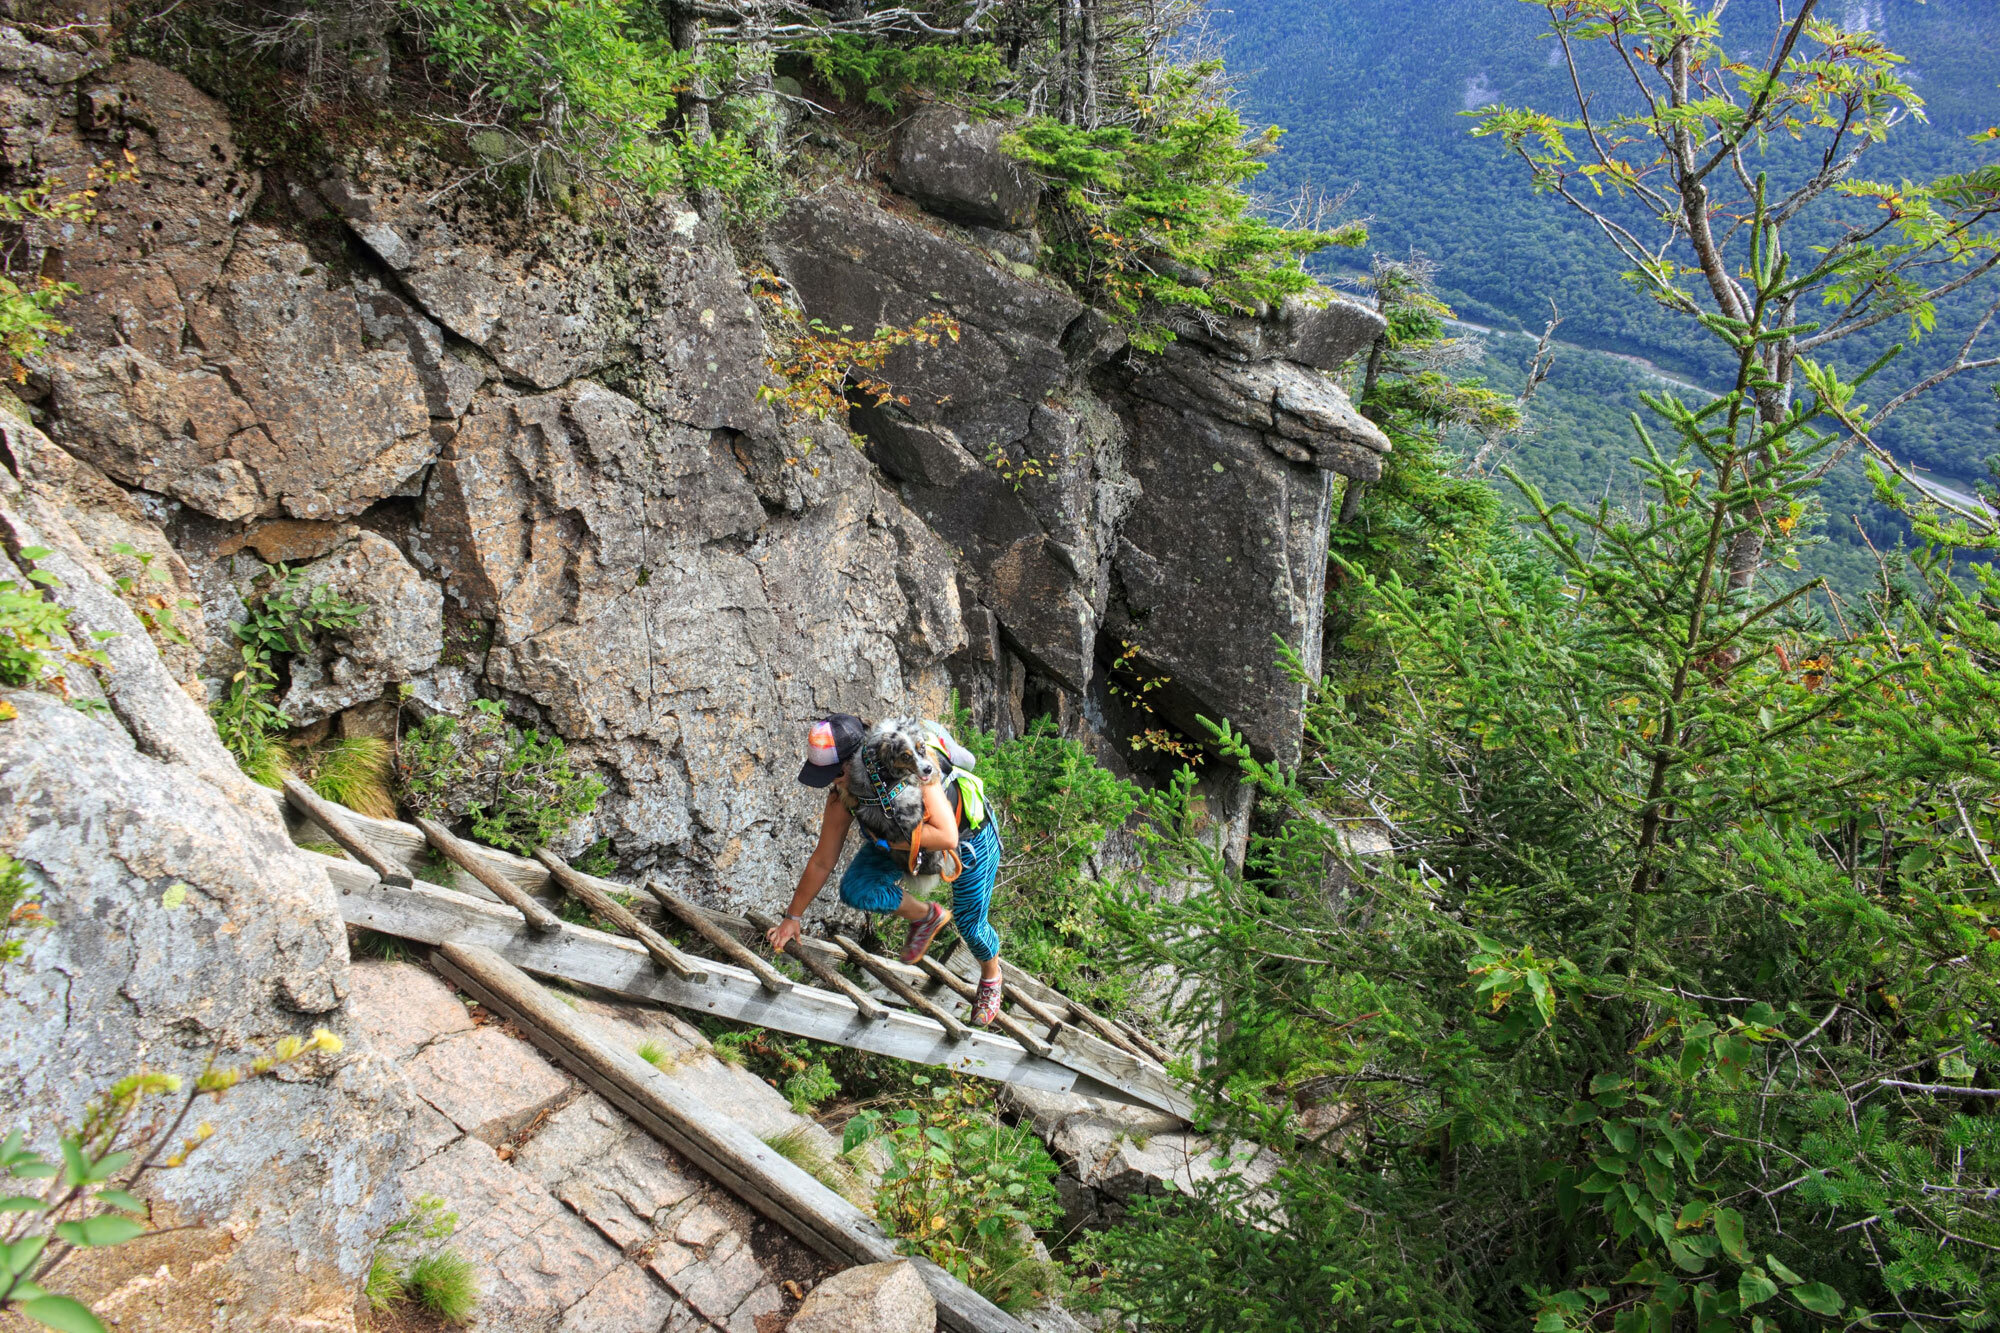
(286, 618)
(598, 859)
(811, 1086)
(291, 614)
(516, 787)
(965, 1191)
(1155, 217)
(251, 724)
(34, 632)
(413, 1263)
(593, 88)
(887, 76)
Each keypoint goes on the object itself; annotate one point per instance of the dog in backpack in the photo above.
(886, 777)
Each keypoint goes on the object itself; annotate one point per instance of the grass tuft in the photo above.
(445, 1284)
(267, 760)
(384, 1286)
(354, 771)
(385, 948)
(805, 1150)
(653, 1053)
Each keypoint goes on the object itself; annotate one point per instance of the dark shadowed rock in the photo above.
(953, 166)
(854, 264)
(1223, 550)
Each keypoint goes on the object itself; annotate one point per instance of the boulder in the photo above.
(874, 1298)
(400, 633)
(954, 166)
(1325, 333)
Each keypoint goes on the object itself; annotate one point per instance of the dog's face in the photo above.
(893, 768)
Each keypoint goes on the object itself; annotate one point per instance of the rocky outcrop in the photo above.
(182, 926)
(548, 462)
(1222, 550)
(1101, 497)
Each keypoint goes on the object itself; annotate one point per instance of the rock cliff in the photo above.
(551, 438)
(548, 460)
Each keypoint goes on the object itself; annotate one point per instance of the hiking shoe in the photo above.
(923, 932)
(986, 1003)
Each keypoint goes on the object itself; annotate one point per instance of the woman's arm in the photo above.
(833, 822)
(940, 824)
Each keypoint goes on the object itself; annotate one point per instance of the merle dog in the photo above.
(885, 775)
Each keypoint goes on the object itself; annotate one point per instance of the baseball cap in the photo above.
(828, 746)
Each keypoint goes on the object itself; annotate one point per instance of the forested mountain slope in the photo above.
(1372, 94)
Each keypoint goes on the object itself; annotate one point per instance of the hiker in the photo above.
(956, 822)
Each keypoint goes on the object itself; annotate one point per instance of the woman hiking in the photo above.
(956, 822)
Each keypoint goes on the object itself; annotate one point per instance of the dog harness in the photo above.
(968, 792)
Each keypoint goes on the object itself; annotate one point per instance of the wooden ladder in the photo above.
(1049, 1043)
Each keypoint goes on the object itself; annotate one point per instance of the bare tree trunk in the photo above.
(684, 29)
(1087, 62)
(1065, 62)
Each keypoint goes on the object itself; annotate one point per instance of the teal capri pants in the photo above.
(873, 882)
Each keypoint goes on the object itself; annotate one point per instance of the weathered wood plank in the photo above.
(461, 854)
(969, 992)
(333, 819)
(713, 1140)
(430, 914)
(1143, 1042)
(828, 976)
(596, 895)
(767, 976)
(903, 991)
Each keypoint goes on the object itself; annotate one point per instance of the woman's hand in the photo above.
(782, 934)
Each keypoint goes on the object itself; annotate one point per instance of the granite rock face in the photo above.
(211, 361)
